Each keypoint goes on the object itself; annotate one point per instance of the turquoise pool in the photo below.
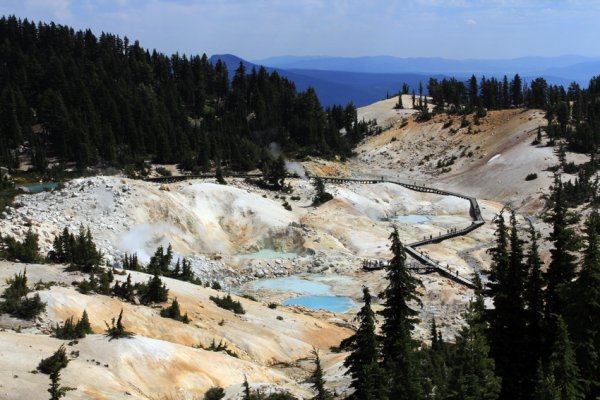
(314, 291)
(330, 303)
(38, 186)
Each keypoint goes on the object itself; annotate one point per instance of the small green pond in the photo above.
(38, 187)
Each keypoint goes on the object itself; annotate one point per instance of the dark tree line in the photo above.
(392, 365)
(86, 99)
(461, 97)
(540, 340)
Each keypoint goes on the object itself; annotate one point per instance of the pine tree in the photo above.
(507, 318)
(317, 381)
(56, 391)
(363, 361)
(561, 270)
(246, 385)
(436, 363)
(219, 175)
(545, 387)
(83, 326)
(563, 365)
(116, 330)
(534, 302)
(583, 310)
(55, 362)
(321, 195)
(174, 312)
(399, 357)
(472, 368)
(155, 291)
(215, 393)
(516, 91)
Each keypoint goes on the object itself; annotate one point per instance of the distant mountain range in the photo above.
(337, 87)
(364, 80)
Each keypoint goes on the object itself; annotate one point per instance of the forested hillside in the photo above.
(76, 97)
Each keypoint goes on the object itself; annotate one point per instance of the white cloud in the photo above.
(57, 8)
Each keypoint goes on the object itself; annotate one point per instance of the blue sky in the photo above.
(409, 28)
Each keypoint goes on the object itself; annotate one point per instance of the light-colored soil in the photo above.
(213, 224)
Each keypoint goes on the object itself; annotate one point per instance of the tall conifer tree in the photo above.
(399, 358)
(534, 303)
(583, 311)
(363, 361)
(561, 270)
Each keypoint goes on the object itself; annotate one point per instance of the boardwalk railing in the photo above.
(474, 212)
(427, 262)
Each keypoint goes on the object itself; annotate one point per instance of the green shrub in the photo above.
(17, 303)
(116, 330)
(216, 393)
(321, 196)
(218, 348)
(228, 303)
(155, 291)
(55, 362)
(73, 330)
(28, 307)
(174, 312)
(162, 171)
(79, 251)
(27, 251)
(531, 177)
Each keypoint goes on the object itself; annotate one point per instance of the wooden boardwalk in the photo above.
(426, 261)
(427, 264)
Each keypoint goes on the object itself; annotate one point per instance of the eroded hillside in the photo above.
(237, 233)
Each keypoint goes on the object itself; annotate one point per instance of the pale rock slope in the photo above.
(161, 359)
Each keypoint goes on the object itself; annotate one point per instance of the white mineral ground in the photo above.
(212, 225)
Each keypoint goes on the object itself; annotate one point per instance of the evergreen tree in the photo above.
(215, 393)
(246, 385)
(116, 330)
(26, 251)
(534, 302)
(55, 362)
(399, 357)
(56, 391)
(472, 374)
(399, 105)
(317, 381)
(561, 270)
(516, 91)
(507, 330)
(321, 195)
(545, 386)
(155, 291)
(219, 174)
(174, 312)
(473, 92)
(16, 301)
(437, 370)
(563, 365)
(363, 361)
(83, 326)
(583, 310)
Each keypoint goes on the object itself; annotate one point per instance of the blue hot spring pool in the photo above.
(331, 303)
(314, 292)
